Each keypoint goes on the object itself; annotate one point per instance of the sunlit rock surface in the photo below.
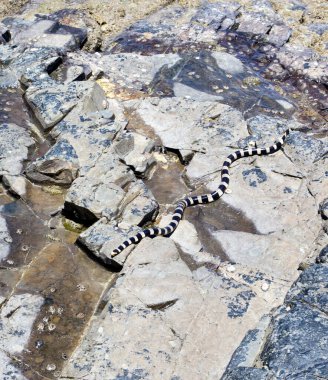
(101, 135)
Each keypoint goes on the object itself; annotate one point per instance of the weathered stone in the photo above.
(158, 289)
(4, 34)
(194, 125)
(139, 205)
(323, 209)
(279, 35)
(51, 105)
(46, 33)
(303, 61)
(16, 320)
(247, 353)
(88, 200)
(14, 145)
(323, 256)
(103, 237)
(185, 236)
(135, 150)
(126, 75)
(255, 23)
(5, 239)
(16, 184)
(85, 133)
(247, 373)
(310, 288)
(286, 353)
(212, 15)
(58, 166)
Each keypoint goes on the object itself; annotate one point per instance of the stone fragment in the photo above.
(46, 33)
(16, 184)
(323, 256)
(135, 150)
(16, 321)
(102, 238)
(5, 239)
(14, 146)
(279, 35)
(51, 105)
(139, 205)
(255, 23)
(194, 125)
(90, 199)
(58, 166)
(185, 236)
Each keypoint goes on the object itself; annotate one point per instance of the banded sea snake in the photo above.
(205, 198)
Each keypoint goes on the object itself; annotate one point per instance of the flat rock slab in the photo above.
(143, 327)
(51, 105)
(14, 148)
(188, 125)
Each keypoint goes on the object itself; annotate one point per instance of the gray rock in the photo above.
(156, 289)
(102, 238)
(33, 65)
(51, 105)
(4, 34)
(14, 148)
(212, 15)
(46, 33)
(318, 28)
(251, 346)
(303, 61)
(323, 256)
(100, 192)
(59, 166)
(255, 23)
(305, 150)
(131, 74)
(287, 352)
(194, 126)
(279, 35)
(16, 184)
(310, 288)
(135, 151)
(139, 205)
(5, 239)
(247, 373)
(17, 316)
(323, 209)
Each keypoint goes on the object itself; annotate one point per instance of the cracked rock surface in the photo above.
(107, 119)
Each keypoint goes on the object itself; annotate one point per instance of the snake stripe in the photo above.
(204, 198)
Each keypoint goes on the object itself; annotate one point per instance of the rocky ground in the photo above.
(106, 121)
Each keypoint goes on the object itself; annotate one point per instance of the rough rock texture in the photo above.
(299, 324)
(14, 145)
(95, 146)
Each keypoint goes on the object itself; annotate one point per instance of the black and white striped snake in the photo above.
(199, 199)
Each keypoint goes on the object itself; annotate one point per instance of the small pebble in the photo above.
(81, 287)
(51, 367)
(40, 326)
(231, 268)
(51, 326)
(265, 287)
(228, 191)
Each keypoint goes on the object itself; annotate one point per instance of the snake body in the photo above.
(205, 198)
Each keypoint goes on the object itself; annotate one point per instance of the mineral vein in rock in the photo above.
(205, 198)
